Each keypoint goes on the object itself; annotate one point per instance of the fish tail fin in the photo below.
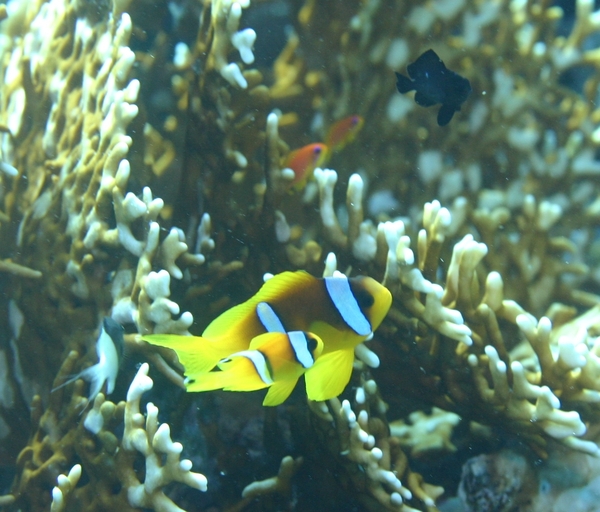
(96, 376)
(404, 84)
(329, 375)
(197, 354)
(71, 379)
(279, 392)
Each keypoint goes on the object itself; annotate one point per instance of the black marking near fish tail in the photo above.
(404, 84)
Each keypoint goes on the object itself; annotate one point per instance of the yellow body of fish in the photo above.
(341, 311)
(274, 360)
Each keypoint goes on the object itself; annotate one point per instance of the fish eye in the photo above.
(363, 297)
(317, 150)
(311, 343)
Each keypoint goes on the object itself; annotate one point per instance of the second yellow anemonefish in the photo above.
(304, 161)
(274, 360)
(341, 311)
(343, 132)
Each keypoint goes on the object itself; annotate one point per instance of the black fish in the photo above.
(434, 84)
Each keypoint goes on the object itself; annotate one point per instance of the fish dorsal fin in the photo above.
(269, 292)
(330, 375)
(279, 392)
(428, 62)
(264, 340)
(424, 100)
(282, 282)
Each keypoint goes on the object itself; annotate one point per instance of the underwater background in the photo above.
(158, 158)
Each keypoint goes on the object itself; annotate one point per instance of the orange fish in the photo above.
(304, 161)
(343, 132)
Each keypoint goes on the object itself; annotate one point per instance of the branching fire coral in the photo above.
(107, 461)
(143, 176)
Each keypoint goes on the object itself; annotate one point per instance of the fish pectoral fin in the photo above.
(282, 283)
(279, 392)
(404, 84)
(445, 114)
(424, 100)
(329, 375)
(195, 353)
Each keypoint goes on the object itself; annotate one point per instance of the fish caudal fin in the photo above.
(404, 84)
(197, 355)
(279, 391)
(330, 375)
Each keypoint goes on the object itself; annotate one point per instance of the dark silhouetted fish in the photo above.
(434, 84)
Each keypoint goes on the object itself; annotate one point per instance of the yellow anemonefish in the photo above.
(274, 360)
(343, 132)
(304, 161)
(341, 311)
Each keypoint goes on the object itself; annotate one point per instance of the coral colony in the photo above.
(171, 170)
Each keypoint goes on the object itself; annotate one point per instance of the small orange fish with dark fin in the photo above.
(304, 161)
(343, 132)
